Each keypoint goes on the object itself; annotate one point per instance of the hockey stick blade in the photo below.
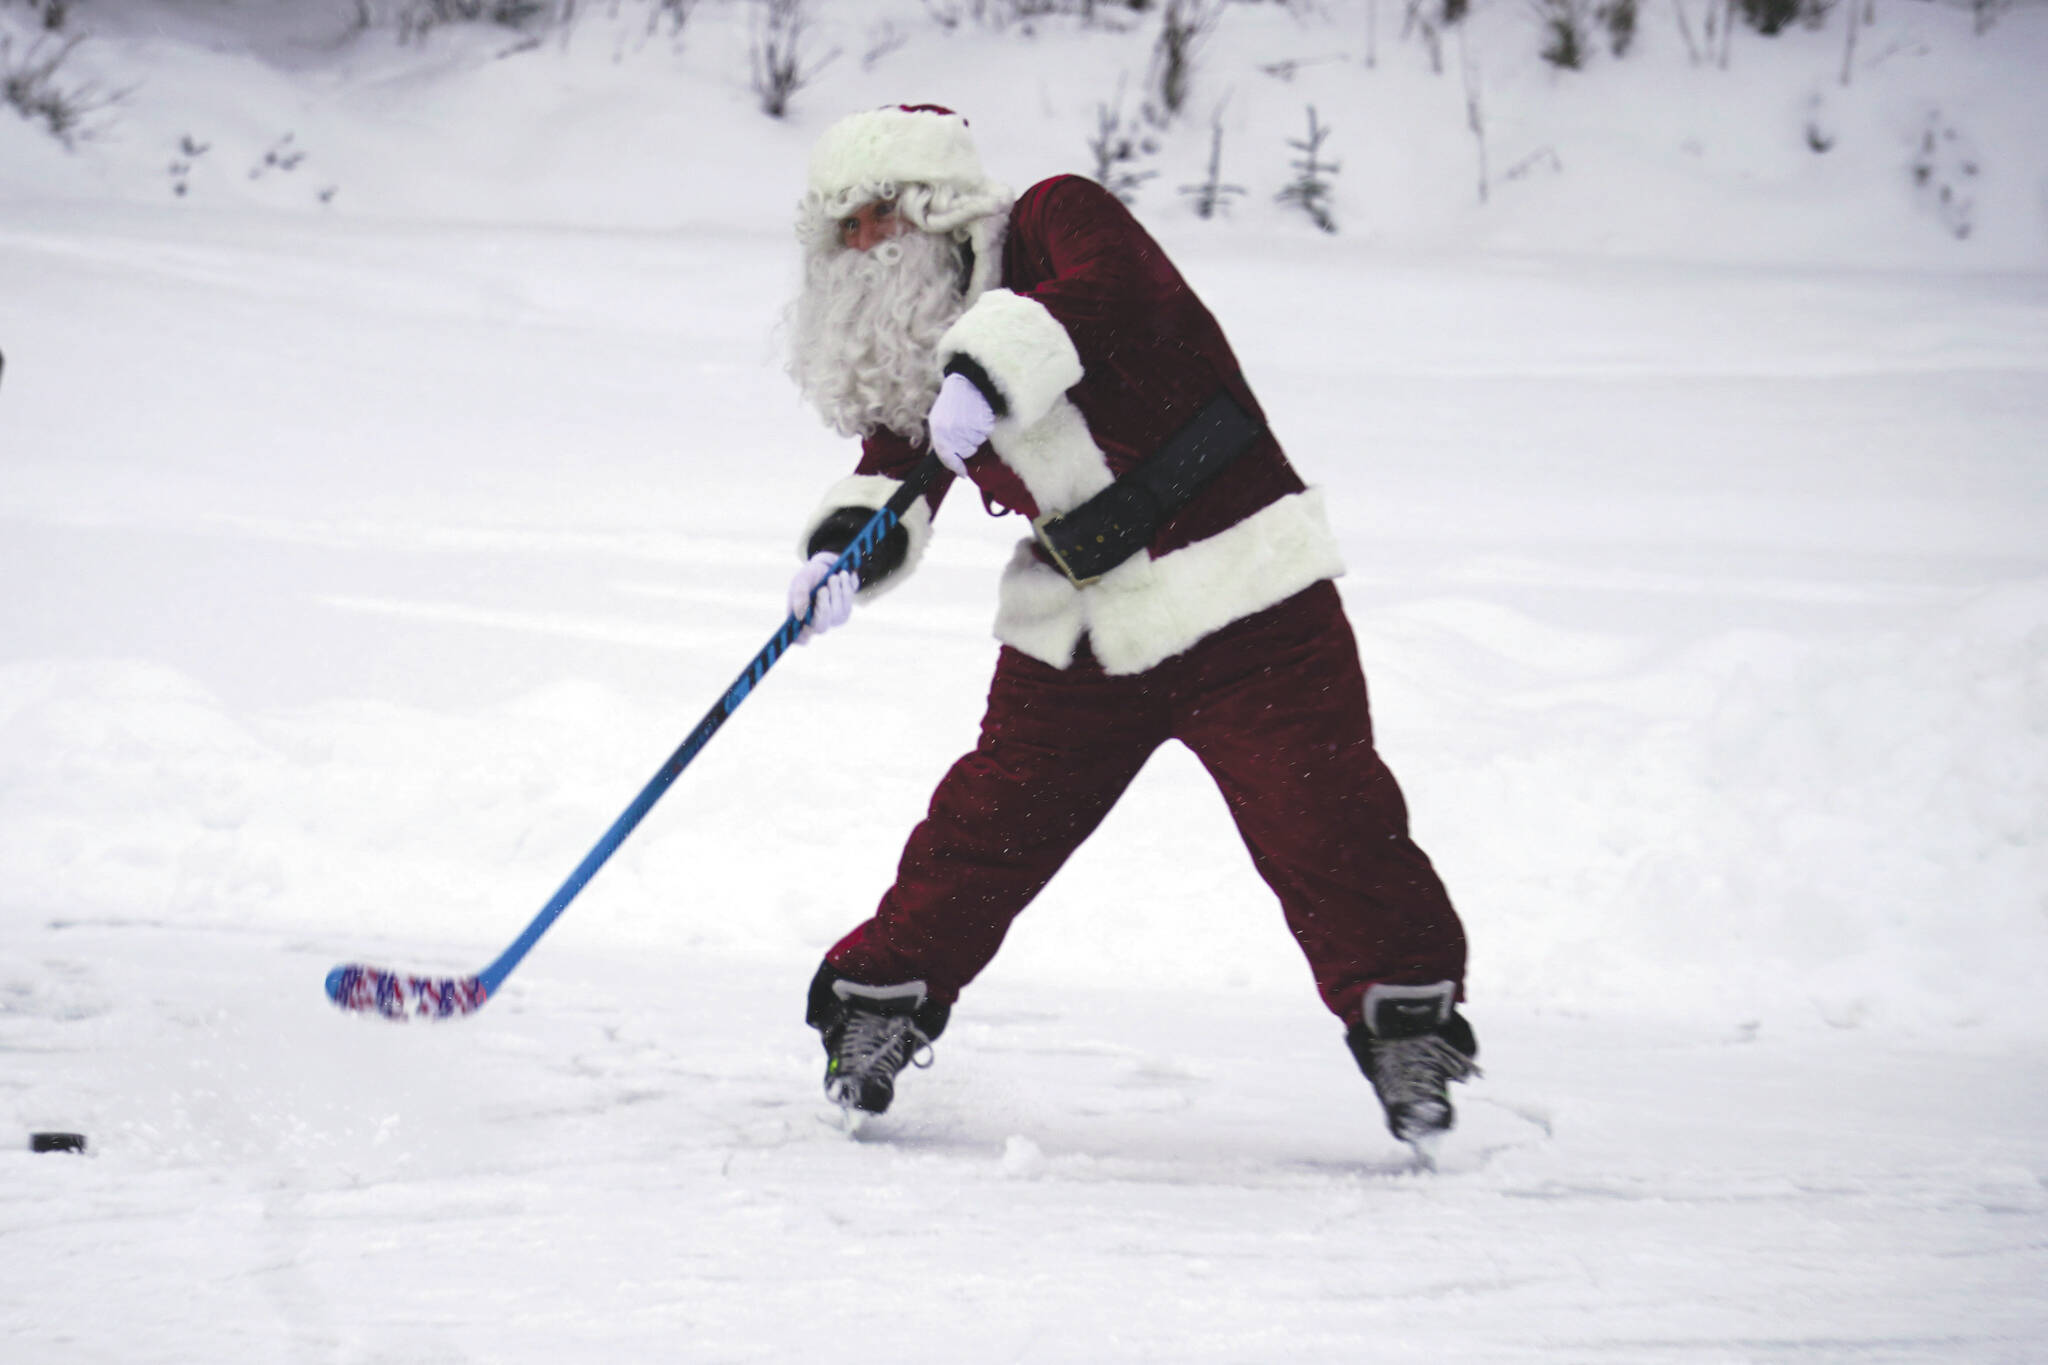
(402, 996)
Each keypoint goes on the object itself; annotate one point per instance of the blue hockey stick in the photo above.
(401, 995)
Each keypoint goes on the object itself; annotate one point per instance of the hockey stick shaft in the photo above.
(365, 989)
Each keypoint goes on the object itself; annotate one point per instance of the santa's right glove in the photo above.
(960, 420)
(830, 605)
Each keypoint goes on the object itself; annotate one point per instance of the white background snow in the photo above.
(371, 529)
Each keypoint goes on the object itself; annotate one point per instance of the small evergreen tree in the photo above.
(1310, 189)
(1212, 195)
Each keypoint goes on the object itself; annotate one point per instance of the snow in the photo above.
(367, 555)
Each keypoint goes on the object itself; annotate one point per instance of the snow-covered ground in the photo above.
(365, 556)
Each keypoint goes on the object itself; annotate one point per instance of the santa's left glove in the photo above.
(960, 420)
(828, 600)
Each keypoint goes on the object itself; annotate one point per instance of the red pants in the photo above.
(1274, 706)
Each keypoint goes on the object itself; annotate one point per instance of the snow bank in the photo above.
(1928, 154)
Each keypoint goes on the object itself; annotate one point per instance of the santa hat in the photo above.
(865, 156)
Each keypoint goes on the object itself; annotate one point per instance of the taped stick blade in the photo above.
(400, 996)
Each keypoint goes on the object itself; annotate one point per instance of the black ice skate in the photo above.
(871, 1033)
(1412, 1045)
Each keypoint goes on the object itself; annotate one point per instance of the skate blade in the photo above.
(843, 1118)
(1425, 1149)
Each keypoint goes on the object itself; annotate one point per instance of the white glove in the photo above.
(831, 605)
(960, 420)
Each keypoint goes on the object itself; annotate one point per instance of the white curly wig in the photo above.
(864, 330)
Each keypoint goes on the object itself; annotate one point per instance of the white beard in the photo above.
(864, 332)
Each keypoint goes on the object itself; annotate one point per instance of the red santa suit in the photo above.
(1224, 632)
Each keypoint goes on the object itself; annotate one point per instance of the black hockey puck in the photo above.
(56, 1142)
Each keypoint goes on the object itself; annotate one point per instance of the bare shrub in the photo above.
(1475, 110)
(1618, 18)
(1184, 26)
(1001, 14)
(1772, 17)
(33, 84)
(1768, 17)
(781, 29)
(51, 14)
(1984, 13)
(1430, 18)
(1119, 150)
(674, 13)
(415, 19)
(1565, 25)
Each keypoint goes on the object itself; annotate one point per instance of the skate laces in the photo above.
(871, 1041)
(1410, 1071)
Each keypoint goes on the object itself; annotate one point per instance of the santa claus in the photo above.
(1175, 586)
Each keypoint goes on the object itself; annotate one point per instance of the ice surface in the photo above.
(364, 558)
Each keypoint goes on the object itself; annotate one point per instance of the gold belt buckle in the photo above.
(1059, 561)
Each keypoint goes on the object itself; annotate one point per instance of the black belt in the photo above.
(1121, 520)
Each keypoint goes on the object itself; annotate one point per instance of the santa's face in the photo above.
(870, 225)
(878, 293)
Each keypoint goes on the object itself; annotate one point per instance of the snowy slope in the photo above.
(368, 554)
(612, 122)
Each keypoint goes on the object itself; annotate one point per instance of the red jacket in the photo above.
(1093, 351)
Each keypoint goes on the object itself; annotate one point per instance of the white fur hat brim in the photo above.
(895, 146)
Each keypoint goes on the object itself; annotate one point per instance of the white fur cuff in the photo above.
(868, 492)
(1020, 347)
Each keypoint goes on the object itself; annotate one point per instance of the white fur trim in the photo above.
(1021, 347)
(868, 492)
(1056, 457)
(1038, 610)
(895, 147)
(1147, 610)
